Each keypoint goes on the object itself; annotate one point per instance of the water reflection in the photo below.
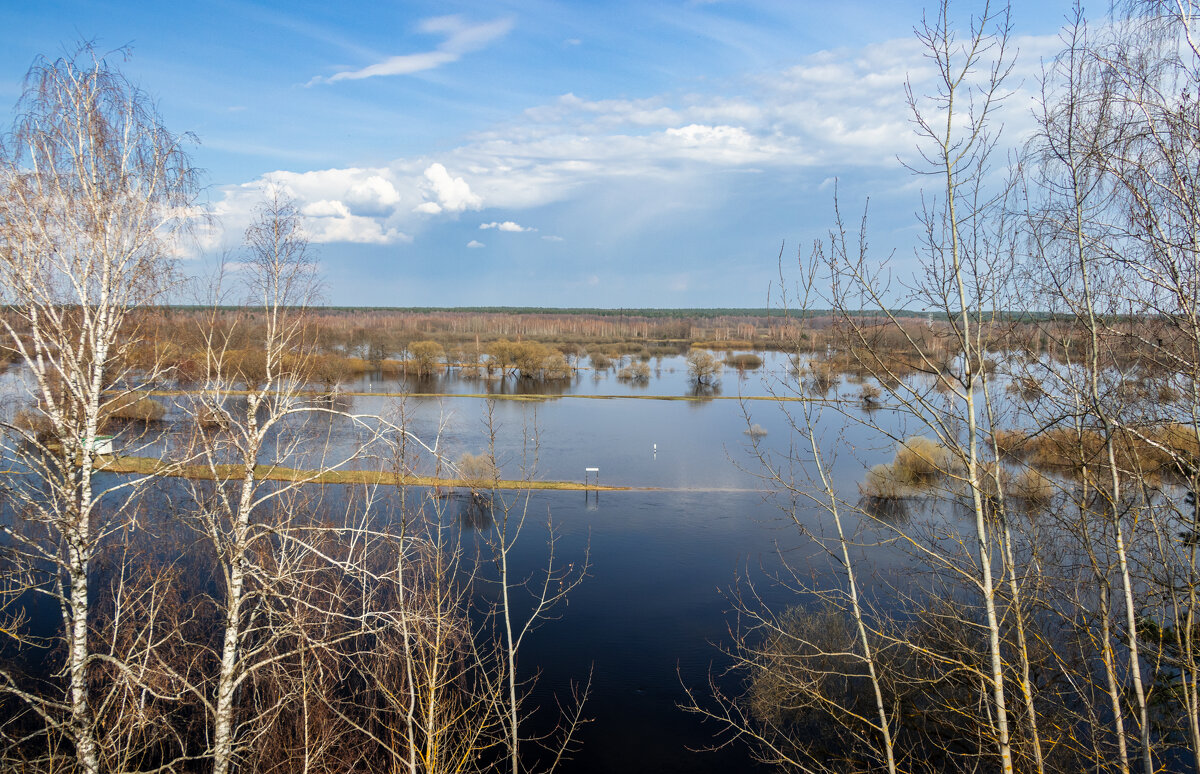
(475, 511)
(892, 510)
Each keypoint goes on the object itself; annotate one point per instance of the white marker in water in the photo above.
(656, 448)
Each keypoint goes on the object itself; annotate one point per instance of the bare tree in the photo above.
(94, 190)
(522, 602)
(252, 412)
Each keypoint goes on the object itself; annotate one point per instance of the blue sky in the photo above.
(537, 153)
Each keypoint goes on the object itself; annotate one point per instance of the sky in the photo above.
(650, 153)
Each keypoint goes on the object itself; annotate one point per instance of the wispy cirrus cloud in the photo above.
(461, 37)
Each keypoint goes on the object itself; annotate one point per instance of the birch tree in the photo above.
(93, 192)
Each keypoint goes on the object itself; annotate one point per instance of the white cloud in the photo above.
(507, 225)
(551, 238)
(460, 38)
(803, 117)
(474, 243)
(375, 193)
(452, 193)
(325, 209)
(332, 221)
(338, 205)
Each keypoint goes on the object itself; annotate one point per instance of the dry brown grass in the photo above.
(881, 483)
(1032, 488)
(1009, 443)
(154, 466)
(36, 424)
(1150, 451)
(920, 462)
(477, 471)
(1027, 387)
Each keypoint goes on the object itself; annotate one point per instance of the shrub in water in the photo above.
(881, 483)
(744, 362)
(822, 376)
(35, 423)
(135, 408)
(920, 461)
(638, 373)
(1033, 488)
(477, 471)
(1009, 443)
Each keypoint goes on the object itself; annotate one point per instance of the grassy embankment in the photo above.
(484, 395)
(150, 466)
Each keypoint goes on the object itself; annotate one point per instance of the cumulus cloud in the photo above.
(331, 221)
(376, 194)
(507, 225)
(460, 38)
(452, 194)
(799, 117)
(475, 243)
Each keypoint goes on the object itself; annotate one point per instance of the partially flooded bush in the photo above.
(34, 423)
(918, 464)
(247, 366)
(600, 361)
(210, 418)
(1170, 447)
(477, 471)
(134, 408)
(1027, 387)
(756, 431)
(747, 361)
(920, 461)
(1009, 443)
(638, 373)
(556, 368)
(703, 368)
(822, 376)
(869, 395)
(994, 480)
(1033, 488)
(1166, 393)
(882, 483)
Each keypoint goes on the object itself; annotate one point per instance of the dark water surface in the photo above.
(650, 619)
(646, 619)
